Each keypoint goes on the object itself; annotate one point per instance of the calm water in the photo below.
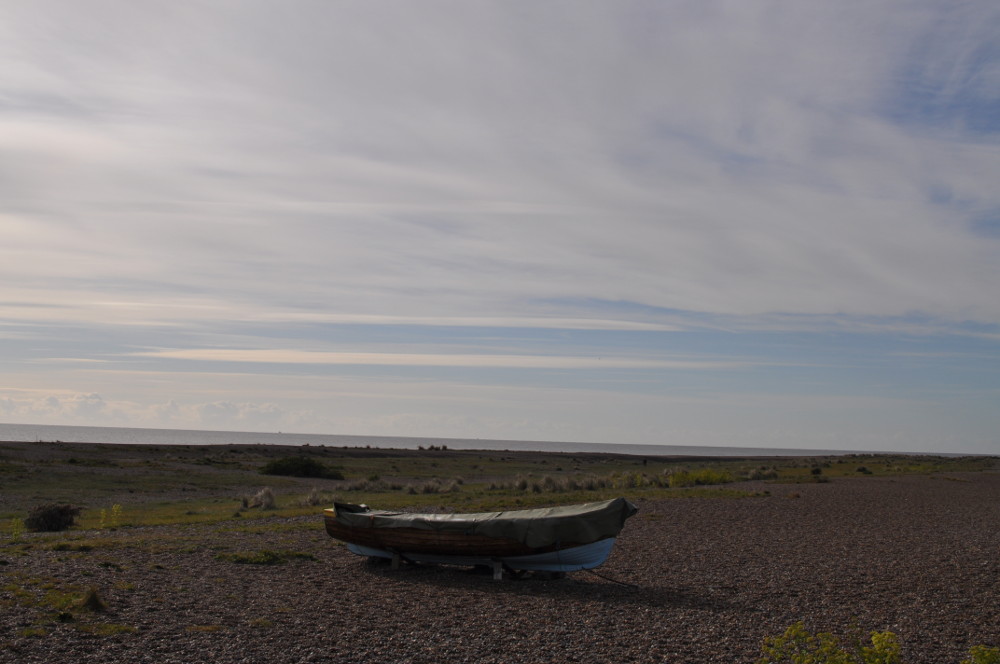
(70, 434)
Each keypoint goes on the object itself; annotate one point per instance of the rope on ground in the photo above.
(608, 578)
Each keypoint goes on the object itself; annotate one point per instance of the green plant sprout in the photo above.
(113, 520)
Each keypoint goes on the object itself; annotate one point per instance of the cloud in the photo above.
(699, 166)
(93, 409)
(55, 408)
(87, 405)
(469, 185)
(502, 361)
(240, 416)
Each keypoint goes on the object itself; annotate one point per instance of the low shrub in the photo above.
(438, 486)
(316, 497)
(706, 476)
(112, 520)
(51, 518)
(376, 486)
(763, 473)
(982, 655)
(264, 500)
(16, 529)
(92, 601)
(799, 646)
(301, 467)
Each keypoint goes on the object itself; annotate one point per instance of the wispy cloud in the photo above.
(285, 356)
(443, 184)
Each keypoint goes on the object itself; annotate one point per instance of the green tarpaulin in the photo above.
(580, 524)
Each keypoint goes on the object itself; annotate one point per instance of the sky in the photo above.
(729, 223)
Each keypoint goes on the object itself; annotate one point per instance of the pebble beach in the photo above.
(690, 580)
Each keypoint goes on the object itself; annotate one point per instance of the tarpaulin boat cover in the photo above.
(580, 524)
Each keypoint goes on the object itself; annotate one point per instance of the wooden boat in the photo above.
(552, 539)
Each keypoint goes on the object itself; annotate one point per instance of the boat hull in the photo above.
(414, 541)
(554, 539)
(586, 556)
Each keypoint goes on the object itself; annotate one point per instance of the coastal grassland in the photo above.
(144, 485)
(50, 602)
(706, 574)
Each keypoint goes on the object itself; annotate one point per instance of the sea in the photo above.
(123, 435)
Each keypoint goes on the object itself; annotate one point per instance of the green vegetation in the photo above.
(91, 601)
(16, 529)
(982, 655)
(53, 601)
(52, 518)
(265, 557)
(113, 520)
(106, 629)
(121, 486)
(799, 646)
(264, 499)
(263, 623)
(705, 476)
(34, 632)
(301, 466)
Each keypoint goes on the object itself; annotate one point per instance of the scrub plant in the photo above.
(16, 529)
(705, 476)
(52, 518)
(264, 499)
(798, 646)
(983, 655)
(112, 520)
(301, 466)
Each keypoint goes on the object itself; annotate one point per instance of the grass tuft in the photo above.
(264, 499)
(106, 629)
(264, 557)
(92, 601)
(705, 476)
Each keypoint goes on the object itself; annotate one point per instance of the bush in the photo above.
(763, 473)
(315, 498)
(51, 518)
(301, 467)
(437, 486)
(377, 486)
(92, 602)
(264, 500)
(983, 655)
(798, 646)
(685, 478)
